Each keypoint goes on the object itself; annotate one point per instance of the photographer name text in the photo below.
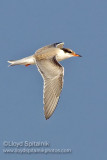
(26, 144)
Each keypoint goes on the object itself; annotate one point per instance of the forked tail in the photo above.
(24, 61)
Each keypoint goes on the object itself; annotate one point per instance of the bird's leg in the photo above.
(27, 65)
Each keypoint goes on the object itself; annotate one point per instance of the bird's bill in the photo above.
(76, 55)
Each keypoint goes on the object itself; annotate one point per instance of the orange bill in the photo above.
(76, 55)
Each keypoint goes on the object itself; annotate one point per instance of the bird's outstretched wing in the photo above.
(52, 73)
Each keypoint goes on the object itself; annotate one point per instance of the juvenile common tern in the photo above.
(47, 61)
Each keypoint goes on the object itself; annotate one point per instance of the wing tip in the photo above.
(47, 116)
(59, 44)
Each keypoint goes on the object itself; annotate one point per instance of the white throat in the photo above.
(61, 55)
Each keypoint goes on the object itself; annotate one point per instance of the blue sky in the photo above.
(80, 120)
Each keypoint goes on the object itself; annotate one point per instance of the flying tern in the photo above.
(47, 61)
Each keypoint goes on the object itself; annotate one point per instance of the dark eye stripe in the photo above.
(66, 50)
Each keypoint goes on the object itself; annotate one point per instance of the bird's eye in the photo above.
(69, 51)
(66, 50)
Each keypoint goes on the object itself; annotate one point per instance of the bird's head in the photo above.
(66, 53)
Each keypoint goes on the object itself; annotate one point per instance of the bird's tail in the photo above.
(24, 61)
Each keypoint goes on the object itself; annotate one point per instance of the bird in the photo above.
(47, 61)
